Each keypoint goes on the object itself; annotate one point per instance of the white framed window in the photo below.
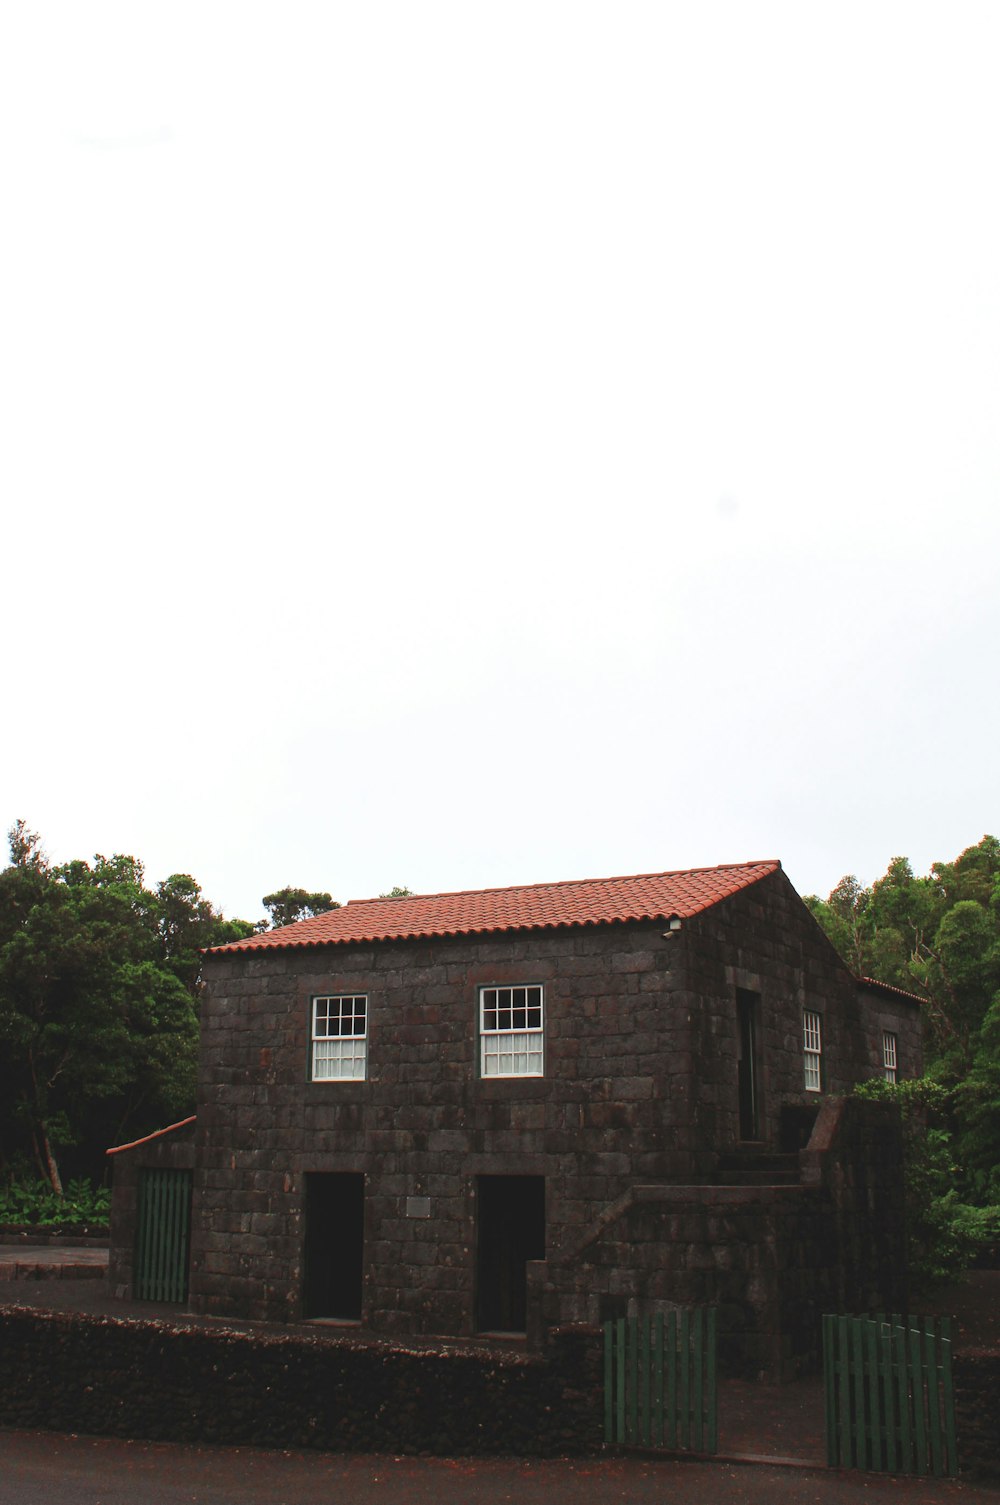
(889, 1055)
(340, 1037)
(511, 1031)
(812, 1050)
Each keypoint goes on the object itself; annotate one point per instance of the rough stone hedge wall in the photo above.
(110, 1377)
(977, 1406)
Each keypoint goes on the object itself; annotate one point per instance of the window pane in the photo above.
(339, 1045)
(812, 1037)
(511, 1031)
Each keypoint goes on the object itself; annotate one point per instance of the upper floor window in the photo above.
(511, 1031)
(889, 1054)
(812, 1050)
(339, 1037)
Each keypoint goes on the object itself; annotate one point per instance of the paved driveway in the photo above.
(52, 1262)
(40, 1468)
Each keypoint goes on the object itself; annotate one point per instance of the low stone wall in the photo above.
(33, 1269)
(114, 1377)
(977, 1407)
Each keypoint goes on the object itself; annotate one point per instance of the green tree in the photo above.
(287, 905)
(98, 1003)
(977, 1098)
(398, 893)
(939, 937)
(958, 972)
(844, 917)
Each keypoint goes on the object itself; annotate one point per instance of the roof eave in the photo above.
(238, 948)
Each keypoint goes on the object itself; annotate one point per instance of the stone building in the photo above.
(514, 1109)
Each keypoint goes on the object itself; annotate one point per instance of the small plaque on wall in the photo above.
(418, 1207)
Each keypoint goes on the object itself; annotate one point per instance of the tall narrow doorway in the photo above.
(748, 1058)
(334, 1245)
(510, 1231)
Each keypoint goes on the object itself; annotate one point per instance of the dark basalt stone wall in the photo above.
(771, 1258)
(640, 1088)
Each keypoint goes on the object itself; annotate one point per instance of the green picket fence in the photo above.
(890, 1401)
(163, 1235)
(660, 1387)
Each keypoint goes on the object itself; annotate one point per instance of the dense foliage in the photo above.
(945, 1230)
(34, 1204)
(98, 1006)
(939, 937)
(99, 980)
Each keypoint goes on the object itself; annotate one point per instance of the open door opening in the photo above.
(510, 1231)
(334, 1245)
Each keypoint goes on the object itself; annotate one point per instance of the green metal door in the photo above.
(163, 1235)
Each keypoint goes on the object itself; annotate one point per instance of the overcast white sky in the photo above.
(466, 444)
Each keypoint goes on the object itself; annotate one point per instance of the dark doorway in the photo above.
(795, 1126)
(334, 1248)
(748, 1058)
(511, 1230)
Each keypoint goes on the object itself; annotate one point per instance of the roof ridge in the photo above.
(513, 888)
(622, 898)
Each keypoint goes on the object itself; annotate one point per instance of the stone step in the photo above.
(757, 1168)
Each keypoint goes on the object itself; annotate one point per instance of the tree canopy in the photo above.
(99, 988)
(286, 905)
(939, 937)
(98, 1003)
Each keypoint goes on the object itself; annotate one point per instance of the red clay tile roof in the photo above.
(889, 987)
(157, 1134)
(536, 906)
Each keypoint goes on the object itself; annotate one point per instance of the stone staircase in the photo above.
(756, 1167)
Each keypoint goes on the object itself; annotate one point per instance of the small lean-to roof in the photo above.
(891, 989)
(534, 906)
(119, 1149)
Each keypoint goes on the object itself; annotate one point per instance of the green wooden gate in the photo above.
(163, 1235)
(660, 1386)
(890, 1402)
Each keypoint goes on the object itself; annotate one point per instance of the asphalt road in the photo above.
(42, 1468)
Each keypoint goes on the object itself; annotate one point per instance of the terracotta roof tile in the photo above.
(889, 987)
(535, 906)
(185, 1123)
